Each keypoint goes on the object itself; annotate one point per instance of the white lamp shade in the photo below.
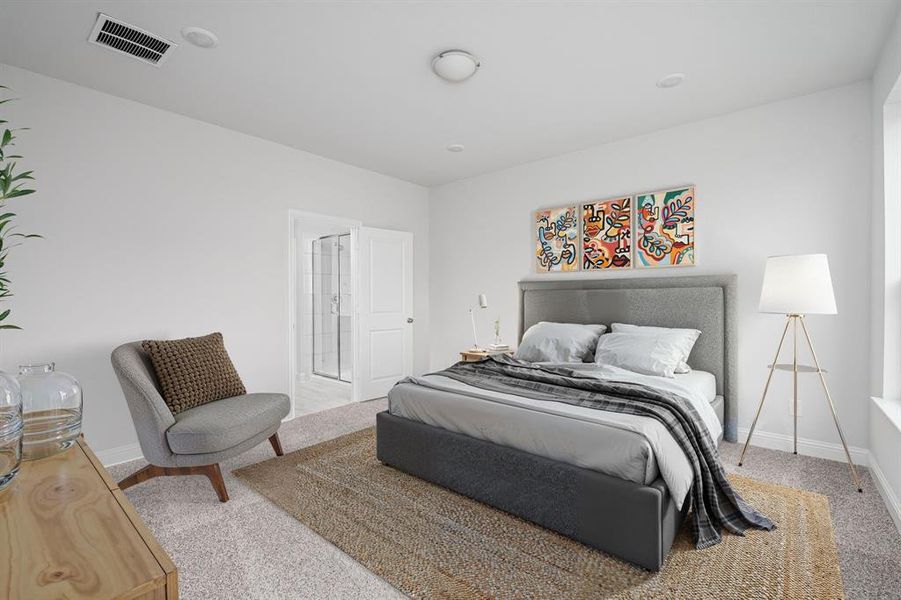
(798, 284)
(483, 301)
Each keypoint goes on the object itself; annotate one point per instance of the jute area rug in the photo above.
(429, 542)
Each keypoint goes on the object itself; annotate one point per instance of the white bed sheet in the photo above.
(700, 382)
(629, 447)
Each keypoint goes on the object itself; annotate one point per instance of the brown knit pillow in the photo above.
(193, 371)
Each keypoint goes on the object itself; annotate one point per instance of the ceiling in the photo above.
(352, 81)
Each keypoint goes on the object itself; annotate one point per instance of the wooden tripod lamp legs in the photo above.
(841, 435)
(795, 368)
(212, 472)
(766, 388)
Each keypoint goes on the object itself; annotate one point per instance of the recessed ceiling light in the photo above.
(200, 37)
(455, 148)
(671, 80)
(455, 65)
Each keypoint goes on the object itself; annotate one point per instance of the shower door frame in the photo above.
(297, 221)
(338, 320)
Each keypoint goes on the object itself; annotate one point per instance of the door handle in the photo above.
(409, 319)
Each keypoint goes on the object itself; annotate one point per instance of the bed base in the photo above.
(632, 521)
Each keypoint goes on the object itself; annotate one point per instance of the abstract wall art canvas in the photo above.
(557, 239)
(665, 228)
(607, 234)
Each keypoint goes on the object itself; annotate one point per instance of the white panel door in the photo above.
(385, 310)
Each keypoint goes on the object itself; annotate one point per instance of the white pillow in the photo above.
(558, 342)
(648, 353)
(685, 338)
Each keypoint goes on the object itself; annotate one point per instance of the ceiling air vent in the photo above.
(128, 39)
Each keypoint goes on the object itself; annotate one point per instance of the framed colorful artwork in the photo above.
(665, 228)
(607, 234)
(557, 239)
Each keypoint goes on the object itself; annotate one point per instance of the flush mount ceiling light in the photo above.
(671, 80)
(200, 37)
(455, 148)
(455, 65)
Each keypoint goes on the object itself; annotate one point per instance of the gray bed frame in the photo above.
(633, 521)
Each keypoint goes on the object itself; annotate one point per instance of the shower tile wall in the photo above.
(330, 307)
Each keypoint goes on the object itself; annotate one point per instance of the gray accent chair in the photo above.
(195, 441)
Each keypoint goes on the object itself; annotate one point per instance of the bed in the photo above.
(592, 481)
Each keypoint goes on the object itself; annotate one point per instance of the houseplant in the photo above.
(14, 183)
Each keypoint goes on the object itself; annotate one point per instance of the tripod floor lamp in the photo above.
(795, 286)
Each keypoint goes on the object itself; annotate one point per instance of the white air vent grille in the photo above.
(128, 39)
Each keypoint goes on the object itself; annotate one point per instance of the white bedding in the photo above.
(629, 447)
(700, 382)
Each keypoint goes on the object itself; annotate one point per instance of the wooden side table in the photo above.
(68, 531)
(473, 355)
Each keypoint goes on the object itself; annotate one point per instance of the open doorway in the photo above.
(350, 311)
(323, 310)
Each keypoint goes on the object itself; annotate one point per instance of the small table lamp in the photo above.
(483, 303)
(795, 286)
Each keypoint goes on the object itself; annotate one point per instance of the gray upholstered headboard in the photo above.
(706, 303)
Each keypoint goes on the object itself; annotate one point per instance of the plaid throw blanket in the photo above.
(715, 503)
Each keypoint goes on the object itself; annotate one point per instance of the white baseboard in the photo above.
(119, 454)
(806, 446)
(888, 494)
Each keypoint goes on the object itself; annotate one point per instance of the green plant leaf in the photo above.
(12, 185)
(17, 193)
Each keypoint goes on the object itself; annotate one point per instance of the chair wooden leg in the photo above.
(211, 472)
(215, 476)
(276, 444)
(148, 472)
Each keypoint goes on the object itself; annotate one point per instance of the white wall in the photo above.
(885, 324)
(885, 288)
(159, 226)
(789, 177)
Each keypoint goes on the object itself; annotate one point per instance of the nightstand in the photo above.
(474, 355)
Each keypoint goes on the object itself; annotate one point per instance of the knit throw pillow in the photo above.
(193, 371)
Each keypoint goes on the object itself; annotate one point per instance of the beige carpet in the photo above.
(429, 542)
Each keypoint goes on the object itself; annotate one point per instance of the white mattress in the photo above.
(700, 382)
(610, 443)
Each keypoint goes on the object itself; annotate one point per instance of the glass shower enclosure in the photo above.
(332, 307)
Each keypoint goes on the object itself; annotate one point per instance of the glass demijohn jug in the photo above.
(10, 428)
(51, 410)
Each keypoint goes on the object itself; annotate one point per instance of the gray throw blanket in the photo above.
(715, 503)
